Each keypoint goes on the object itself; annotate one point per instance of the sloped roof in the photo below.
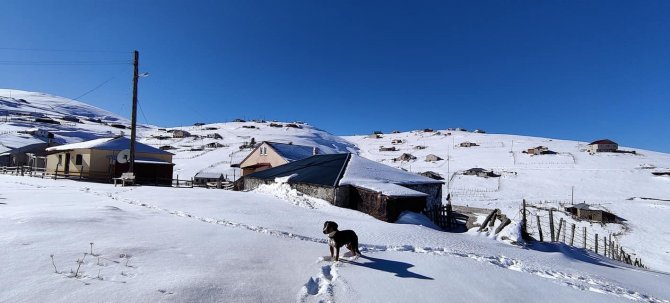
(347, 169)
(603, 141)
(292, 152)
(115, 144)
(318, 169)
(208, 175)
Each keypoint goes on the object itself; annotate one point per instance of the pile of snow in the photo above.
(283, 190)
(410, 217)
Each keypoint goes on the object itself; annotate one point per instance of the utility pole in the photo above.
(572, 196)
(133, 123)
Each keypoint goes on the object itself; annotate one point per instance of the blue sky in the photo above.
(579, 70)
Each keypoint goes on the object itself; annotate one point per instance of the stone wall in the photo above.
(434, 192)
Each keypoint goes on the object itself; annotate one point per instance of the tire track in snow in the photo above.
(321, 286)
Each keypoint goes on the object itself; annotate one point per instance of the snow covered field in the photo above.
(198, 245)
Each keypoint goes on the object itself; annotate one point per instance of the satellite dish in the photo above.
(123, 156)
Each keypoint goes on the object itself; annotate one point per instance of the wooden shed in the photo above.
(585, 212)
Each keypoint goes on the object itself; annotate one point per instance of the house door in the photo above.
(66, 164)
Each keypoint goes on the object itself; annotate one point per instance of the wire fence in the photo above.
(551, 228)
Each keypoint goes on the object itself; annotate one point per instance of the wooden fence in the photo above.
(546, 229)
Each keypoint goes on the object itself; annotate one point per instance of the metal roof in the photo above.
(318, 169)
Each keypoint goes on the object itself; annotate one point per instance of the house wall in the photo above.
(327, 193)
(599, 148)
(433, 190)
(255, 157)
(383, 207)
(95, 163)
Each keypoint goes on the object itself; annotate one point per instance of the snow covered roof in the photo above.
(603, 141)
(208, 175)
(358, 171)
(116, 144)
(292, 152)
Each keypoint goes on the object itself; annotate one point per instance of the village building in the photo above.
(405, 157)
(427, 130)
(397, 141)
(32, 155)
(71, 119)
(272, 154)
(461, 129)
(210, 128)
(38, 132)
(602, 146)
(198, 124)
(468, 144)
(167, 147)
(202, 178)
(180, 133)
(377, 132)
(539, 150)
(387, 149)
(433, 158)
(214, 136)
(351, 181)
(661, 173)
(480, 172)
(98, 160)
(395, 132)
(431, 174)
(420, 147)
(214, 145)
(479, 131)
(585, 212)
(375, 136)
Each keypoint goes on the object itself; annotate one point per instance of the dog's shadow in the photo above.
(400, 269)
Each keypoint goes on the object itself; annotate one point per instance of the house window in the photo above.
(78, 160)
(264, 151)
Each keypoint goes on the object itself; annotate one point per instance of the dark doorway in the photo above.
(66, 165)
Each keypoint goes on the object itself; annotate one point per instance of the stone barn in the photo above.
(585, 212)
(433, 158)
(350, 181)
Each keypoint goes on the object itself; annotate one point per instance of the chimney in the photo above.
(315, 151)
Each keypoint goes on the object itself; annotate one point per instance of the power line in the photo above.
(77, 63)
(63, 50)
(95, 88)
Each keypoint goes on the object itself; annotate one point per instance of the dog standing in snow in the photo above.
(339, 238)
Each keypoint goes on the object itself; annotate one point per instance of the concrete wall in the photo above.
(95, 163)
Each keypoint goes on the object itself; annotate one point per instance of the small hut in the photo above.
(405, 157)
(433, 158)
(468, 144)
(585, 212)
(387, 149)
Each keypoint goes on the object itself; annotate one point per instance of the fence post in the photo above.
(572, 237)
(539, 228)
(524, 231)
(560, 226)
(605, 247)
(551, 224)
(596, 246)
(584, 235)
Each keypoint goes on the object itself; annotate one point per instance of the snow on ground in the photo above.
(613, 181)
(198, 245)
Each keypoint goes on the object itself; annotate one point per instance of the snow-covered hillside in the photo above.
(622, 183)
(399, 256)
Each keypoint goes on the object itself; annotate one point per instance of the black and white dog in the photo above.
(339, 238)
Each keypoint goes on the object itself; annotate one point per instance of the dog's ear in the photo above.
(334, 225)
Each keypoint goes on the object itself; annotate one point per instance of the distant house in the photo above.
(180, 133)
(293, 125)
(431, 174)
(480, 172)
(272, 124)
(116, 125)
(461, 129)
(419, 147)
(375, 136)
(202, 178)
(585, 212)
(38, 132)
(350, 181)
(395, 132)
(249, 126)
(272, 154)
(661, 173)
(98, 159)
(539, 150)
(46, 120)
(167, 147)
(433, 158)
(214, 145)
(210, 128)
(71, 119)
(239, 120)
(397, 141)
(25, 155)
(214, 136)
(468, 144)
(405, 157)
(602, 146)
(427, 130)
(479, 131)
(198, 124)
(377, 132)
(387, 149)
